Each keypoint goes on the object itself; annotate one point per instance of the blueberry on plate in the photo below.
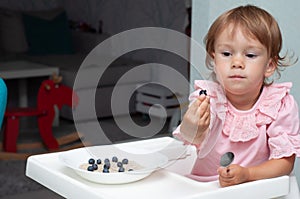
(125, 161)
(95, 166)
(106, 160)
(130, 169)
(121, 169)
(90, 168)
(99, 161)
(91, 161)
(114, 159)
(105, 170)
(119, 164)
(106, 165)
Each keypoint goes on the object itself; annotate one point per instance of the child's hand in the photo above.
(196, 120)
(232, 175)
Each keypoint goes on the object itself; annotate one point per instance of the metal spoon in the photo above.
(226, 159)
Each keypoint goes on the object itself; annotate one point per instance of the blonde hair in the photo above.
(256, 23)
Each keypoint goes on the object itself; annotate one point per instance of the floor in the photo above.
(45, 194)
(16, 185)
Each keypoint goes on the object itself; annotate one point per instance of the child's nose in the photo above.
(237, 62)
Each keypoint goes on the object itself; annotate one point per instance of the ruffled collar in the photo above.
(242, 126)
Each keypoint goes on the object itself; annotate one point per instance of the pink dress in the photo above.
(269, 130)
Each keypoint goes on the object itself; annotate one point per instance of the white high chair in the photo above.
(295, 182)
(184, 165)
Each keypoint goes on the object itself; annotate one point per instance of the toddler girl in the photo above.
(244, 111)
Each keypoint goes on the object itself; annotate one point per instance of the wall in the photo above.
(287, 15)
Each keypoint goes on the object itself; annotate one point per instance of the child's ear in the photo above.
(213, 55)
(271, 67)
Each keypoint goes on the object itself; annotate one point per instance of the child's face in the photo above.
(241, 62)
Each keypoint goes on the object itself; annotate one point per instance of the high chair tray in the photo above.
(168, 182)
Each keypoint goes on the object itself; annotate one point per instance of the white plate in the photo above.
(149, 162)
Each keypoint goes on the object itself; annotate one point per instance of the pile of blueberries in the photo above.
(94, 164)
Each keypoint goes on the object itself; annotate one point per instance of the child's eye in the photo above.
(226, 54)
(250, 55)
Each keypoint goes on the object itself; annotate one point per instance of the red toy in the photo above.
(51, 92)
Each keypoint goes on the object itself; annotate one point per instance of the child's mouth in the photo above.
(236, 77)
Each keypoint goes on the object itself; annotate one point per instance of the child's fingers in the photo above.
(206, 118)
(225, 178)
(225, 172)
(201, 97)
(204, 114)
(204, 107)
(222, 171)
(194, 107)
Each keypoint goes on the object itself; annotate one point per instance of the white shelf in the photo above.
(158, 98)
